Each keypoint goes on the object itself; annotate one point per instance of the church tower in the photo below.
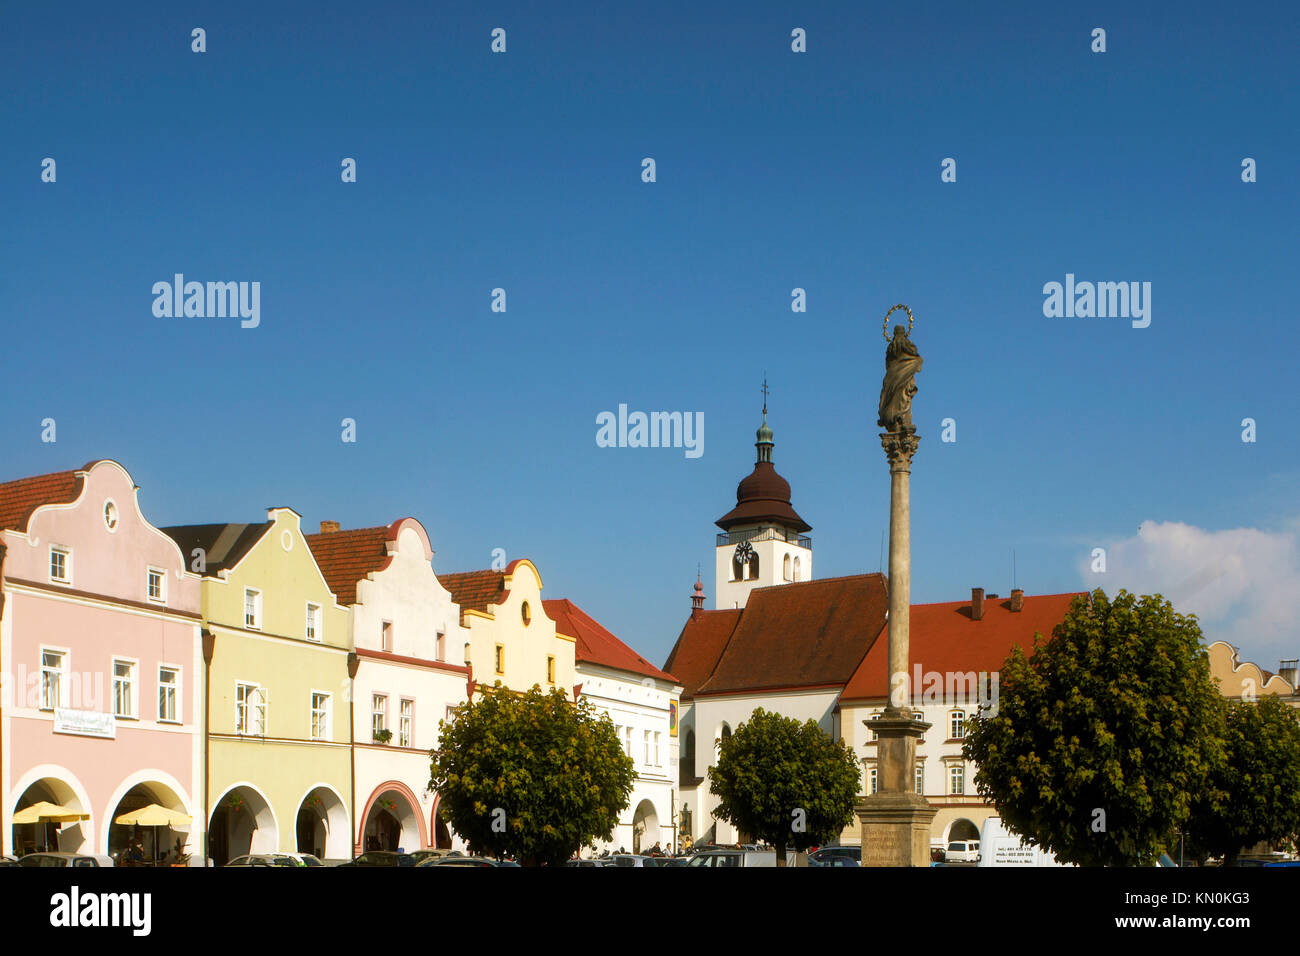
(762, 541)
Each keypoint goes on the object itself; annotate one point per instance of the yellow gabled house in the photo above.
(277, 708)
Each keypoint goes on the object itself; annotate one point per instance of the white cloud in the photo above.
(1243, 584)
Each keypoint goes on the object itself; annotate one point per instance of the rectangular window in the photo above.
(550, 670)
(168, 681)
(406, 719)
(501, 659)
(646, 741)
(871, 781)
(957, 779)
(958, 724)
(386, 637)
(920, 779)
(51, 679)
(320, 716)
(123, 689)
(157, 586)
(627, 740)
(250, 709)
(656, 751)
(440, 647)
(60, 565)
(252, 608)
(313, 622)
(378, 714)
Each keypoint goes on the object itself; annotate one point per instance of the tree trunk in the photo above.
(780, 853)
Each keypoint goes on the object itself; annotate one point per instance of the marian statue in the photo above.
(902, 362)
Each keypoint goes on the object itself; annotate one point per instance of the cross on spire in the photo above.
(765, 391)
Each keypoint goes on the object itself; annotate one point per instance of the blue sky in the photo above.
(775, 170)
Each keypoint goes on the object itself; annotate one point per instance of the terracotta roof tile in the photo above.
(475, 589)
(944, 639)
(805, 634)
(347, 557)
(18, 499)
(596, 645)
(698, 647)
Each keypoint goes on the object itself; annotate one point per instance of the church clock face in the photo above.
(744, 551)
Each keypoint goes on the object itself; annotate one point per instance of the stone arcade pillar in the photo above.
(896, 819)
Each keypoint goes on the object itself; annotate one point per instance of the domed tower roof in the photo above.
(763, 495)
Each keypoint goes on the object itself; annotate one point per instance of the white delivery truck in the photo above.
(1000, 847)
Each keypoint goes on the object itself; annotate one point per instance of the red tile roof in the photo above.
(698, 647)
(596, 645)
(805, 634)
(346, 557)
(943, 638)
(475, 589)
(18, 499)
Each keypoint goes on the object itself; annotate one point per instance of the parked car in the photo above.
(432, 854)
(732, 858)
(586, 863)
(8, 861)
(306, 859)
(962, 851)
(672, 861)
(827, 854)
(481, 862)
(383, 858)
(264, 859)
(64, 859)
(631, 859)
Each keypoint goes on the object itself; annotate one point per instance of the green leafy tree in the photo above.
(1102, 739)
(533, 776)
(1255, 795)
(785, 782)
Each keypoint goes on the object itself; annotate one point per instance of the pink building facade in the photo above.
(102, 666)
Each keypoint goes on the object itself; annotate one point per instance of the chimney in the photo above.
(1017, 599)
(976, 604)
(697, 599)
(1287, 671)
(329, 527)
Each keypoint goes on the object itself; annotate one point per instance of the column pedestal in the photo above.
(896, 819)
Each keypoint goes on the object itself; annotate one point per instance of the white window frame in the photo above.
(312, 629)
(405, 721)
(256, 624)
(645, 737)
(254, 707)
(62, 673)
(67, 564)
(957, 724)
(918, 778)
(327, 723)
(873, 778)
(162, 585)
(133, 686)
(175, 687)
(657, 751)
(956, 771)
(378, 714)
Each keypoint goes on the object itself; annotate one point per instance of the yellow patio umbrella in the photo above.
(46, 812)
(154, 816)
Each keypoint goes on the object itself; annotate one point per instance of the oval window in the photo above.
(526, 613)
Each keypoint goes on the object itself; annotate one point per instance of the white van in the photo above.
(1000, 847)
(962, 851)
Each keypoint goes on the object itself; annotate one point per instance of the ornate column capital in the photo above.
(899, 447)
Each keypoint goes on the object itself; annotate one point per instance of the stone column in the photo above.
(896, 819)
